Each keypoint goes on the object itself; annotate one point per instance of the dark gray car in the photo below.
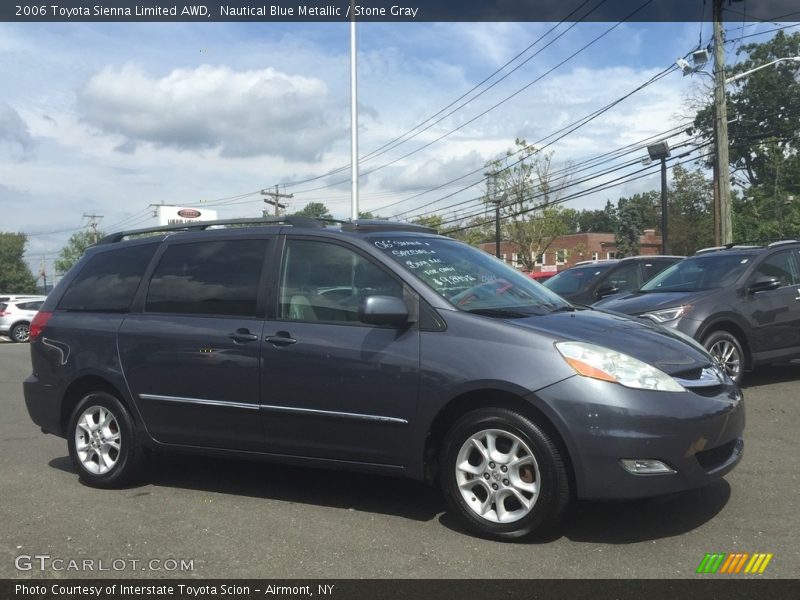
(590, 281)
(377, 347)
(741, 303)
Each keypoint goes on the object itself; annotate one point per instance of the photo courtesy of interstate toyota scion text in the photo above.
(372, 346)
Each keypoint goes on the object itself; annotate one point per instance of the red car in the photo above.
(540, 276)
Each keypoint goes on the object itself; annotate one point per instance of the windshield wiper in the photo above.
(503, 313)
(565, 308)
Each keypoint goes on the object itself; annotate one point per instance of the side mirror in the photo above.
(606, 289)
(383, 310)
(764, 284)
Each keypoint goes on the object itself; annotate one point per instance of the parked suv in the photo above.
(378, 347)
(741, 302)
(16, 314)
(590, 281)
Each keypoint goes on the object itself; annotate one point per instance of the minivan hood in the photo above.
(638, 338)
(637, 303)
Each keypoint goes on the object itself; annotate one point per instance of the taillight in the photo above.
(40, 319)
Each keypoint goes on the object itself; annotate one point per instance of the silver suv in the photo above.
(16, 315)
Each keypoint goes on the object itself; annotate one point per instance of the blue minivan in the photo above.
(372, 346)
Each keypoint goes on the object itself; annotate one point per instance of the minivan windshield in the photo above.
(469, 278)
(576, 279)
(705, 272)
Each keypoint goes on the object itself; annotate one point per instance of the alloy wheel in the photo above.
(97, 440)
(497, 475)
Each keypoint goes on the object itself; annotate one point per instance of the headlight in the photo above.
(668, 314)
(602, 363)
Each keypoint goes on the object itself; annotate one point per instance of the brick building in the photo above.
(568, 250)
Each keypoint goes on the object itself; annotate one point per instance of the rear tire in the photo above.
(503, 475)
(20, 333)
(727, 350)
(102, 442)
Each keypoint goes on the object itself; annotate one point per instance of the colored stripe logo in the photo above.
(734, 563)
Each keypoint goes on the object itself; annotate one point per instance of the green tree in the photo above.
(764, 139)
(76, 246)
(432, 221)
(691, 222)
(763, 109)
(474, 232)
(15, 275)
(368, 215)
(598, 221)
(531, 211)
(314, 210)
(629, 229)
(647, 205)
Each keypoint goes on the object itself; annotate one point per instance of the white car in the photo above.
(16, 315)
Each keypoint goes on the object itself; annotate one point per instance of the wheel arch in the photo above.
(735, 329)
(82, 386)
(13, 325)
(489, 398)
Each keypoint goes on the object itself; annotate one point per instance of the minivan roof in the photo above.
(357, 226)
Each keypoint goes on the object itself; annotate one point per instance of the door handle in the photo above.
(243, 335)
(282, 338)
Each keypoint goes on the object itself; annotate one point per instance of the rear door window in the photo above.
(779, 266)
(208, 278)
(108, 282)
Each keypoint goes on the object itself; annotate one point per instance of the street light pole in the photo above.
(660, 151)
(353, 118)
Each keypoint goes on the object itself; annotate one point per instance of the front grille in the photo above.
(715, 457)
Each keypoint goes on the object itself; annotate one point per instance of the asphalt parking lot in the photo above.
(241, 519)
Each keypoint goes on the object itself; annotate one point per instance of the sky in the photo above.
(109, 118)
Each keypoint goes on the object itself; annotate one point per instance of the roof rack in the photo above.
(292, 220)
(367, 225)
(782, 242)
(359, 225)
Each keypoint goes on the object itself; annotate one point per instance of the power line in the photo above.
(564, 131)
(500, 103)
(599, 187)
(636, 175)
(393, 143)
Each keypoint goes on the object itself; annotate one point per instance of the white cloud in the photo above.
(431, 173)
(14, 131)
(244, 113)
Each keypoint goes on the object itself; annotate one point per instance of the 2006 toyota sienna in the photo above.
(373, 346)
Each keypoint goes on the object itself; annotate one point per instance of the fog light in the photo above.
(646, 466)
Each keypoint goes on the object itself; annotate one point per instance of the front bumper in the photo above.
(698, 436)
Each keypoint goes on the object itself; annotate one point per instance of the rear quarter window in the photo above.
(108, 281)
(36, 305)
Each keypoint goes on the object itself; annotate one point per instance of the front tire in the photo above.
(503, 475)
(102, 442)
(20, 333)
(727, 351)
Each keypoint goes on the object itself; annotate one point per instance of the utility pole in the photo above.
(44, 275)
(664, 207)
(275, 200)
(491, 192)
(721, 127)
(93, 221)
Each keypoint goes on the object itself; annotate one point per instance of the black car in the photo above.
(590, 281)
(741, 302)
(377, 347)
